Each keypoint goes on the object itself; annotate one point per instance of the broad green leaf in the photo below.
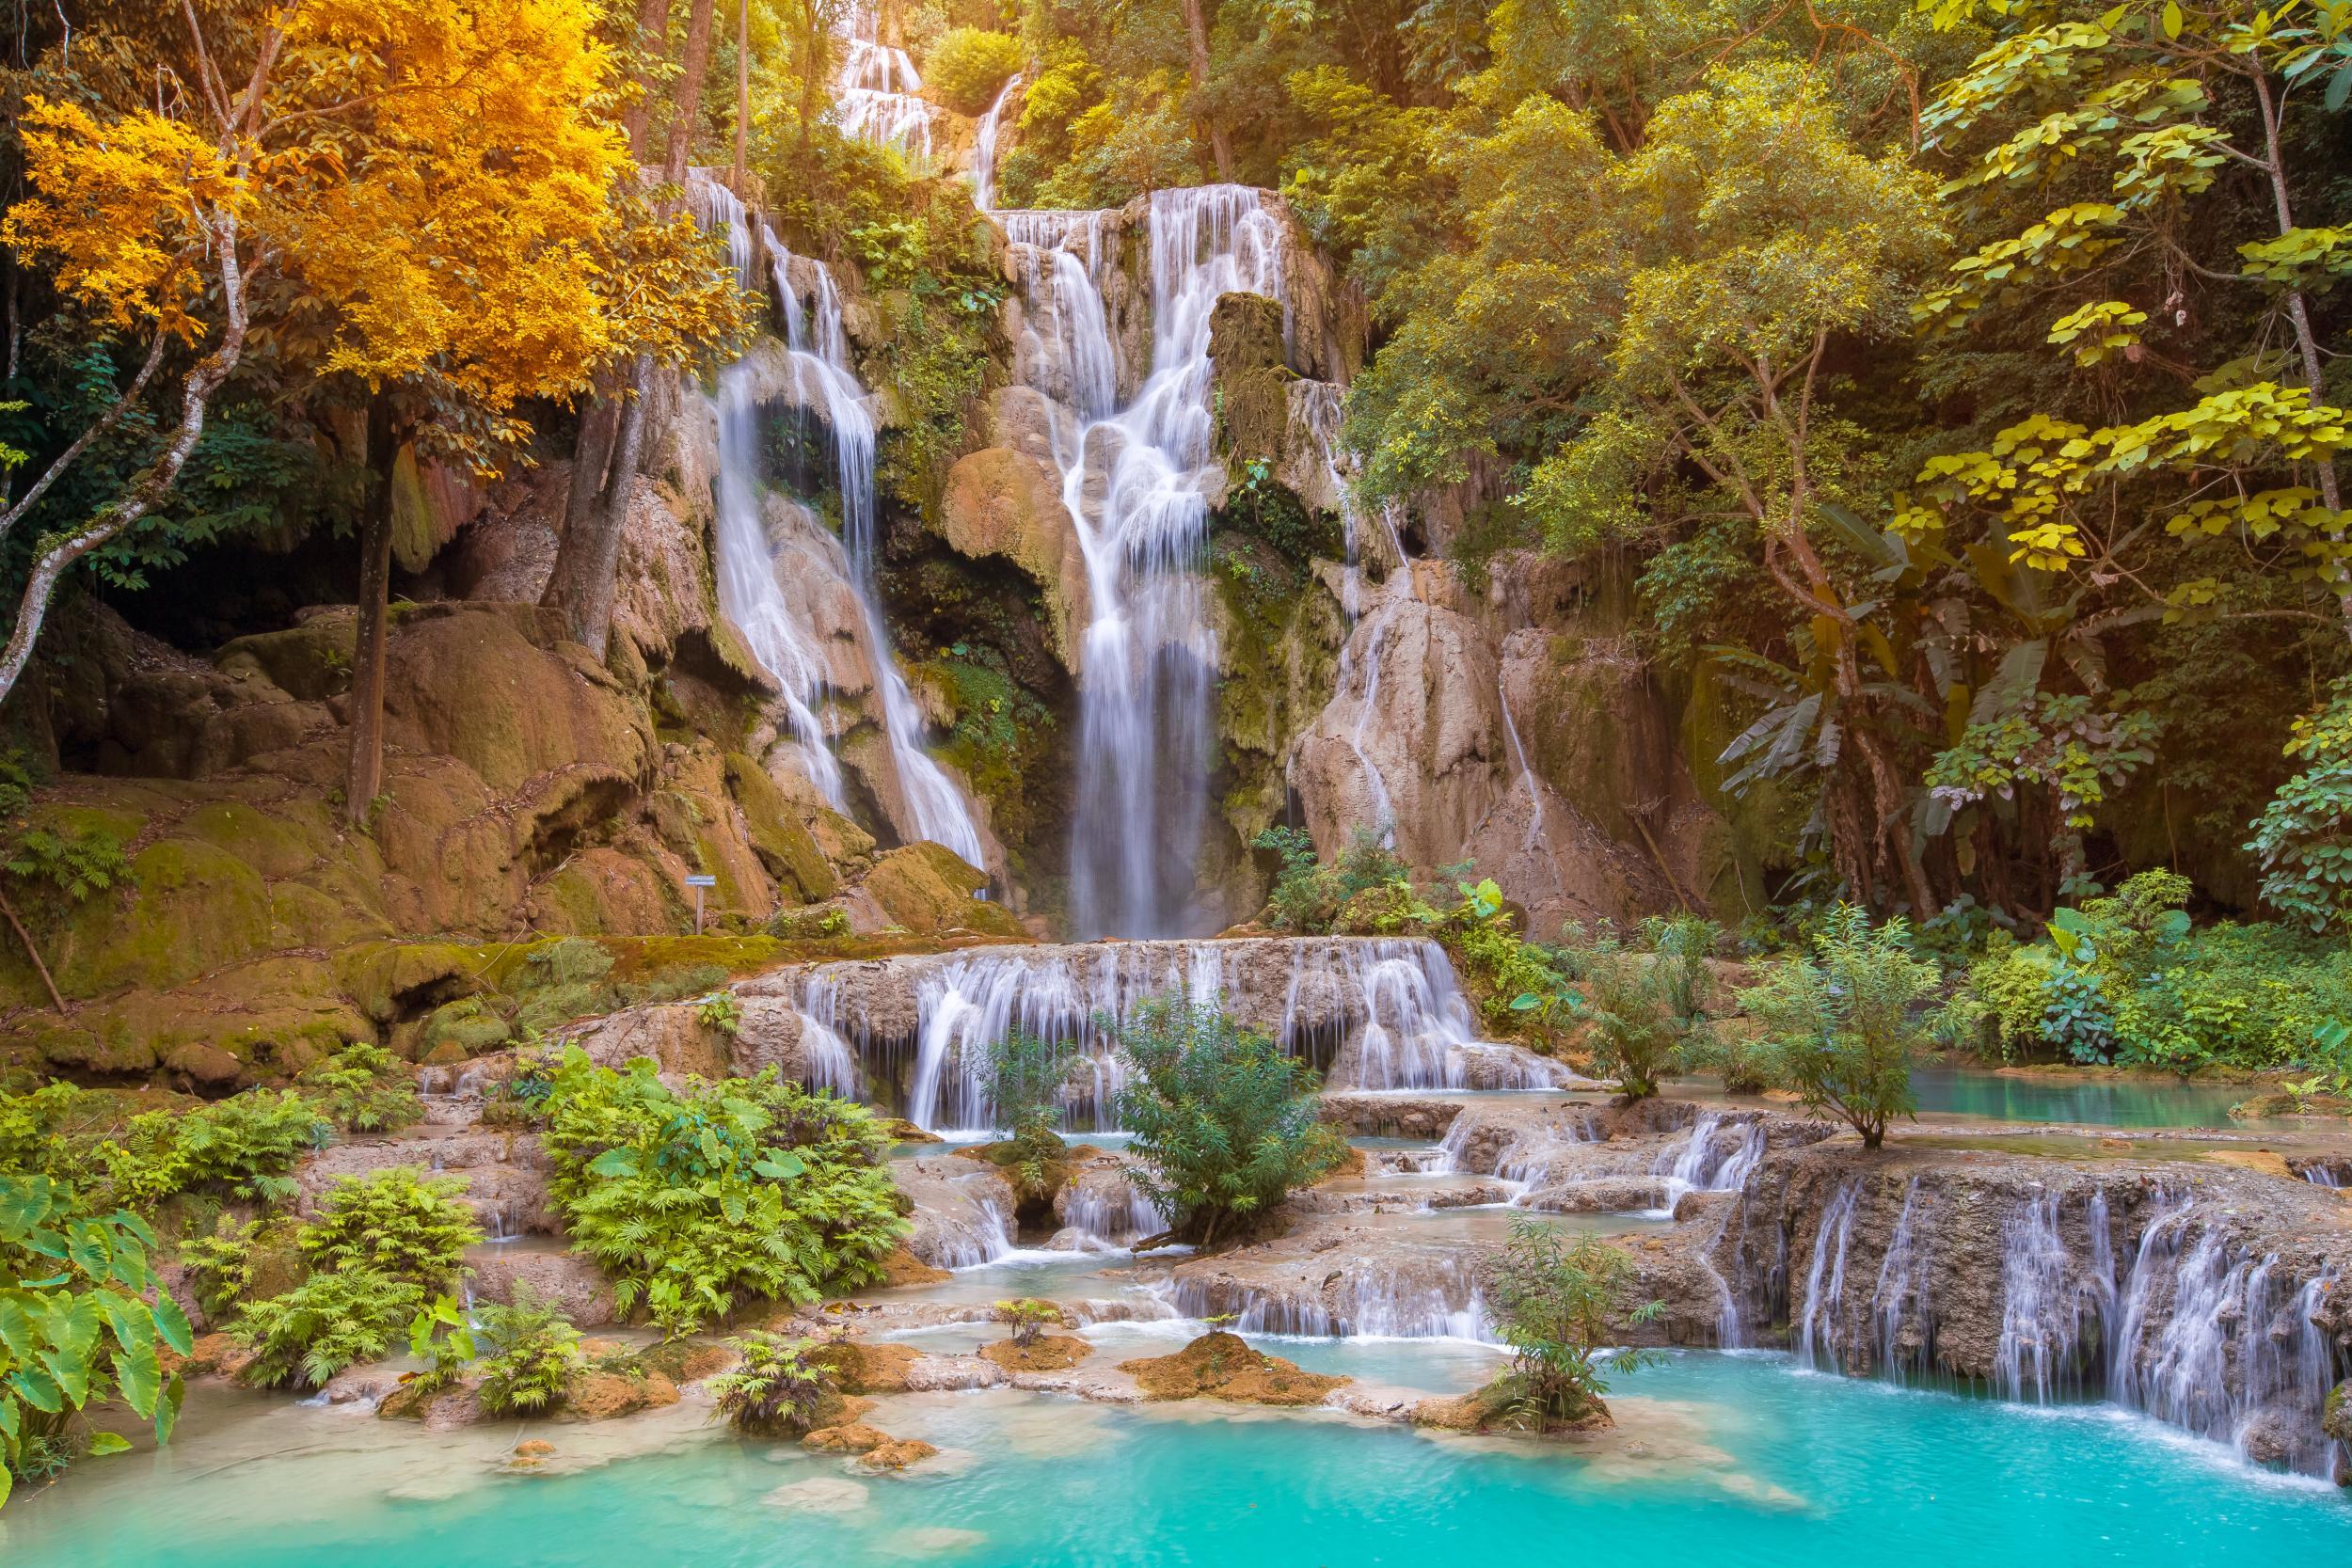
(17, 1331)
(2173, 19)
(172, 1325)
(38, 1389)
(614, 1162)
(140, 1379)
(168, 1409)
(105, 1443)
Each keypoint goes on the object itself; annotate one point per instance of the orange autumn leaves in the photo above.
(444, 185)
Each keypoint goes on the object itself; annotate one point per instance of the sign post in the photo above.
(698, 884)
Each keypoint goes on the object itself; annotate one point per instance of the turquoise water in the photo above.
(1726, 1458)
(2088, 1101)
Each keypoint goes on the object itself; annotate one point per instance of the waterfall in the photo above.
(821, 382)
(2047, 1308)
(1704, 1167)
(1112, 1212)
(1825, 1282)
(749, 593)
(1902, 1289)
(828, 1062)
(1135, 479)
(984, 146)
(875, 98)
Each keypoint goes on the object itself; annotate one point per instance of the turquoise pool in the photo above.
(1732, 1458)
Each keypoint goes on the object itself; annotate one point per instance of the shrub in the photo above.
(529, 1350)
(1309, 897)
(775, 1388)
(441, 1338)
(1028, 1318)
(1026, 1075)
(245, 1146)
(1225, 1121)
(693, 1197)
(1557, 1302)
(77, 1330)
(1518, 989)
(720, 1011)
(237, 1262)
(1636, 1038)
(365, 1088)
(2304, 836)
(968, 68)
(334, 1318)
(400, 1222)
(1840, 1025)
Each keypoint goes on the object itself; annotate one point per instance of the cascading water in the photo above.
(877, 97)
(1136, 481)
(1818, 1335)
(1902, 1293)
(984, 146)
(2047, 1305)
(828, 1062)
(1704, 1163)
(823, 387)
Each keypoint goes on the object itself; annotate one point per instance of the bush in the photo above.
(1029, 1318)
(226, 1267)
(400, 1222)
(245, 1146)
(691, 1198)
(529, 1350)
(76, 1329)
(1225, 1121)
(334, 1318)
(968, 68)
(1309, 897)
(2126, 979)
(2304, 836)
(441, 1338)
(1557, 1302)
(365, 1088)
(1636, 1040)
(1026, 1075)
(1840, 1025)
(774, 1389)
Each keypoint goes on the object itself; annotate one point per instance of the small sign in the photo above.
(702, 881)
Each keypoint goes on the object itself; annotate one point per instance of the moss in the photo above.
(927, 888)
(784, 845)
(190, 907)
(311, 661)
(467, 1026)
(391, 980)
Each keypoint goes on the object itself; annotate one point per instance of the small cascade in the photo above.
(1407, 1015)
(1710, 1163)
(979, 1240)
(2334, 1175)
(1825, 1282)
(828, 1062)
(1902, 1294)
(1437, 1298)
(2052, 1314)
(984, 148)
(1112, 1213)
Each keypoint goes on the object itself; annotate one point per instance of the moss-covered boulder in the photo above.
(783, 845)
(927, 888)
(998, 501)
(1222, 1366)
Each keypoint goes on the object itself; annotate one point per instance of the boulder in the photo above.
(1222, 1366)
(999, 502)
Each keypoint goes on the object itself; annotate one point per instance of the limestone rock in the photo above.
(1222, 1366)
(1000, 501)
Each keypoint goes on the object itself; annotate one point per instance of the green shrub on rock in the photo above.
(1223, 1119)
(529, 1353)
(335, 1319)
(695, 1197)
(365, 1088)
(399, 1222)
(775, 1388)
(1842, 1022)
(1557, 1303)
(244, 1147)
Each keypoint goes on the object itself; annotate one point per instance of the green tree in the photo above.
(2304, 836)
(1559, 1302)
(1225, 1121)
(1842, 1022)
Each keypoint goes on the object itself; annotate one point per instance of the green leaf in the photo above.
(17, 1331)
(140, 1379)
(172, 1325)
(38, 1389)
(7, 1484)
(2173, 19)
(168, 1409)
(780, 1166)
(2339, 89)
(104, 1443)
(614, 1162)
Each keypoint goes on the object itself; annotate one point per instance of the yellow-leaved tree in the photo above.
(441, 200)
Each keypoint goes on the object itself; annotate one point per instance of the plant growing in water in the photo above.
(439, 1337)
(1225, 1121)
(1029, 1318)
(774, 1389)
(530, 1352)
(1840, 1023)
(1557, 1303)
(1026, 1075)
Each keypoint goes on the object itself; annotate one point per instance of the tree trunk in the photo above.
(1196, 37)
(695, 66)
(147, 490)
(591, 543)
(743, 99)
(653, 37)
(583, 501)
(364, 780)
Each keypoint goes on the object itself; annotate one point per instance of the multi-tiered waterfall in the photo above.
(877, 97)
(1135, 478)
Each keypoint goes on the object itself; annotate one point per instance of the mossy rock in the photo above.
(310, 662)
(927, 888)
(784, 845)
(389, 980)
(1222, 1366)
(189, 906)
(1252, 380)
(462, 1029)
